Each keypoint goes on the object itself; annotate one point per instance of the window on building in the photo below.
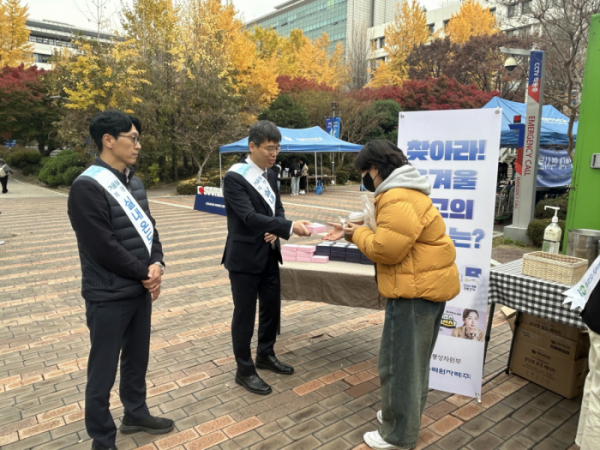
(431, 28)
(373, 45)
(446, 22)
(526, 7)
(382, 42)
(493, 11)
(511, 10)
(39, 58)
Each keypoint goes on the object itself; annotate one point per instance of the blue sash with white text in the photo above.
(257, 181)
(136, 214)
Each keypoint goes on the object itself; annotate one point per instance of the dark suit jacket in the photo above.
(249, 217)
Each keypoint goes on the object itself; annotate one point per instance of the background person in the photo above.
(469, 330)
(277, 168)
(255, 222)
(303, 177)
(121, 277)
(295, 174)
(4, 171)
(415, 269)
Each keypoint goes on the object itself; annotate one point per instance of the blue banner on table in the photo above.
(458, 151)
(210, 200)
(554, 168)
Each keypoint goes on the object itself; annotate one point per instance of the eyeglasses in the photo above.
(134, 139)
(273, 150)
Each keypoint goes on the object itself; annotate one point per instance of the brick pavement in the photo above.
(328, 403)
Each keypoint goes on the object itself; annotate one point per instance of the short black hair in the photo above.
(466, 313)
(112, 122)
(264, 130)
(382, 154)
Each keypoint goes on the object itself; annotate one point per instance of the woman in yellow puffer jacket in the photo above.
(415, 267)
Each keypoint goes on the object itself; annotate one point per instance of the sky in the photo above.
(79, 12)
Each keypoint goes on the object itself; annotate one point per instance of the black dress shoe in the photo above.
(97, 447)
(270, 362)
(253, 383)
(151, 424)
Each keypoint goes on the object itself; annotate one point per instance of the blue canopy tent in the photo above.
(554, 166)
(554, 123)
(305, 140)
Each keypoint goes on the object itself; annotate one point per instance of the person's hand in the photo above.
(335, 234)
(154, 278)
(300, 227)
(155, 293)
(270, 237)
(350, 227)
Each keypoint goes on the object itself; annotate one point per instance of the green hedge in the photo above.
(150, 176)
(562, 202)
(341, 177)
(187, 187)
(63, 168)
(22, 158)
(536, 228)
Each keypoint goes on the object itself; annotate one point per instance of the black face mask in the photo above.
(368, 182)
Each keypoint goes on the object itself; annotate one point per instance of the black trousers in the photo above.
(246, 287)
(120, 326)
(4, 182)
(303, 183)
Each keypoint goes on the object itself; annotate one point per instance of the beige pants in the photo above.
(588, 431)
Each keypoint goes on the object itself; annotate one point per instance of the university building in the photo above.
(48, 36)
(337, 18)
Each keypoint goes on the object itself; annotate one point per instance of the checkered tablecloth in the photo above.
(542, 298)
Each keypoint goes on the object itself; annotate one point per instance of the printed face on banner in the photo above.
(458, 152)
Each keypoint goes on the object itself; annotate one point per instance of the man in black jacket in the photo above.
(255, 222)
(121, 264)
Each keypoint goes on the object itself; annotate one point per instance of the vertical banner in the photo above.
(458, 151)
(332, 126)
(526, 165)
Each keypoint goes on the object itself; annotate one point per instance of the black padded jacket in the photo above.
(114, 258)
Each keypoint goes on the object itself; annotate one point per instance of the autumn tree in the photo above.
(27, 114)
(289, 85)
(267, 42)
(93, 78)
(286, 112)
(563, 34)
(316, 62)
(477, 61)
(441, 93)
(408, 29)
(387, 114)
(471, 20)
(358, 55)
(15, 48)
(226, 83)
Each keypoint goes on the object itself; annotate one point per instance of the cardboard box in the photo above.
(548, 369)
(572, 350)
(549, 326)
(551, 354)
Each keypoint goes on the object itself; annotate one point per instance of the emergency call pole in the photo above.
(526, 164)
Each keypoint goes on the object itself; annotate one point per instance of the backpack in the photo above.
(2, 172)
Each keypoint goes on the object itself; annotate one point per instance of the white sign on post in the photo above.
(458, 151)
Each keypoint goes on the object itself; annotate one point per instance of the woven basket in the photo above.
(560, 268)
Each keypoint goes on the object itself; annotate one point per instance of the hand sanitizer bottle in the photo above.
(552, 234)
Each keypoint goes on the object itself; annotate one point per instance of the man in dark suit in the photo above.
(255, 222)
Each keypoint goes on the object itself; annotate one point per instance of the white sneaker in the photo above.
(374, 440)
(302, 192)
(380, 416)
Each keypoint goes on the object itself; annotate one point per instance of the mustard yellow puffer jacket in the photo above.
(414, 256)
